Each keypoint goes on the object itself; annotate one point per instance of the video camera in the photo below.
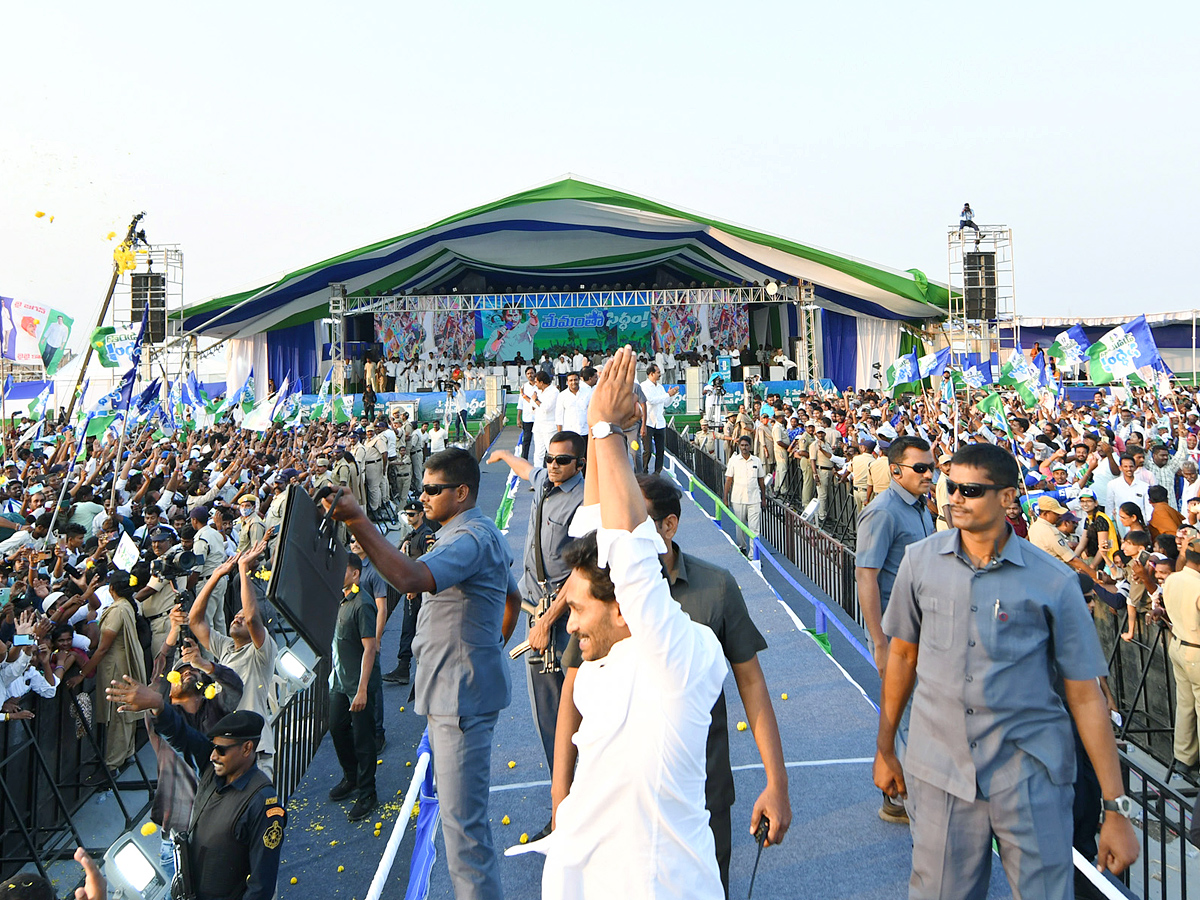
(175, 565)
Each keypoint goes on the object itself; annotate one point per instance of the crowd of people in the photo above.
(105, 551)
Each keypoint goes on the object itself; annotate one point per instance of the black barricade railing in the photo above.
(1142, 682)
(825, 560)
(487, 433)
(44, 763)
(1162, 819)
(299, 726)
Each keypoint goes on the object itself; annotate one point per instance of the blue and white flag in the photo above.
(934, 363)
(1070, 347)
(904, 370)
(148, 398)
(979, 375)
(1122, 354)
(428, 816)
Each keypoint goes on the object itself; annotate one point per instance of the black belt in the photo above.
(1187, 643)
(826, 468)
(159, 616)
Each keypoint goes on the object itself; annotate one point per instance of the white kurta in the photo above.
(634, 825)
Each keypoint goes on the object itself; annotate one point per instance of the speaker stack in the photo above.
(149, 288)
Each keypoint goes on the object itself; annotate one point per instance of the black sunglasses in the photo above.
(562, 459)
(222, 749)
(919, 468)
(413, 512)
(971, 491)
(432, 490)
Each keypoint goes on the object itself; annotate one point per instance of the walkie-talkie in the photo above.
(760, 837)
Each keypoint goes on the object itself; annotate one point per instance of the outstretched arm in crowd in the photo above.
(405, 574)
(245, 564)
(522, 467)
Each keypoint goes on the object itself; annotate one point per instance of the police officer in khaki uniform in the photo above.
(1181, 597)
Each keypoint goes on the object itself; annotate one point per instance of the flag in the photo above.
(1070, 347)
(343, 408)
(248, 392)
(952, 383)
(1120, 353)
(282, 396)
(904, 370)
(322, 405)
(992, 409)
(233, 400)
(53, 340)
(37, 406)
(113, 346)
(934, 363)
(148, 397)
(1021, 375)
(259, 417)
(978, 375)
(8, 383)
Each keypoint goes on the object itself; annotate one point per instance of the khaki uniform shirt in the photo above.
(1181, 597)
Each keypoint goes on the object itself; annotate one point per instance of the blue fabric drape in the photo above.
(839, 337)
(293, 350)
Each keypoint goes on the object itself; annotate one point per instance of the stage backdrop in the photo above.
(506, 328)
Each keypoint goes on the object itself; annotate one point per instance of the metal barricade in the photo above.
(299, 726)
(1168, 866)
(487, 434)
(44, 763)
(827, 561)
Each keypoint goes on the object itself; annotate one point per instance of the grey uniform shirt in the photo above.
(994, 644)
(256, 667)
(886, 527)
(557, 512)
(462, 669)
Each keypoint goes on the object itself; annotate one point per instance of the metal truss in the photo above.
(970, 330)
(460, 303)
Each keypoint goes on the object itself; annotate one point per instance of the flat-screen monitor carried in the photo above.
(309, 570)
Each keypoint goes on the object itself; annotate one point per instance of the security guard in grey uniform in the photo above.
(558, 492)
(417, 544)
(995, 635)
(237, 824)
(468, 614)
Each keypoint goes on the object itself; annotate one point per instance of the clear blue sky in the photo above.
(263, 137)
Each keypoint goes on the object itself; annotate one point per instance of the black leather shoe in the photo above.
(362, 808)
(342, 790)
(398, 675)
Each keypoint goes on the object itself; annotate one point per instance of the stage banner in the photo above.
(445, 334)
(508, 328)
(721, 324)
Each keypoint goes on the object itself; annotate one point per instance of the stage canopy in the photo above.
(569, 236)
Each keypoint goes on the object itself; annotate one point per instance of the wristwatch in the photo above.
(603, 429)
(1122, 806)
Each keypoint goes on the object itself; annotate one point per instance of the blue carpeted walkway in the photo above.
(837, 846)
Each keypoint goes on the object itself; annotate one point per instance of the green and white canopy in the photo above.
(561, 237)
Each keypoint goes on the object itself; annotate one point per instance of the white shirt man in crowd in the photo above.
(1127, 488)
(573, 406)
(745, 489)
(634, 823)
(545, 414)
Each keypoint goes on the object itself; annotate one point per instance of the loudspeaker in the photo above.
(149, 287)
(979, 275)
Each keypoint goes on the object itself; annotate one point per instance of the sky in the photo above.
(262, 137)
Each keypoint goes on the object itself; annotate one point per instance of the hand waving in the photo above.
(612, 399)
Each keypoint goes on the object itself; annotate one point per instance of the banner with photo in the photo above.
(508, 328)
(33, 333)
(723, 325)
(426, 334)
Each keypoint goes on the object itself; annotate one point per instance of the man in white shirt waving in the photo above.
(634, 824)
(655, 425)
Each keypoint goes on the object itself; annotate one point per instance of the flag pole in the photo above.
(112, 287)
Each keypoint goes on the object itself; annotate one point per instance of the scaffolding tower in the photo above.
(982, 314)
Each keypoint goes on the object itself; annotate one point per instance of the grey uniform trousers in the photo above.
(462, 765)
(952, 840)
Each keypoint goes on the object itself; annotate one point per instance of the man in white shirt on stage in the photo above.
(573, 406)
(545, 414)
(634, 824)
(655, 426)
(525, 405)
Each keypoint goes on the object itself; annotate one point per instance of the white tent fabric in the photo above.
(878, 342)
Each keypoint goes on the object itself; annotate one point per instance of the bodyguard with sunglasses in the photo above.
(558, 492)
(897, 518)
(996, 638)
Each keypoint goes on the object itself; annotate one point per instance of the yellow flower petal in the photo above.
(742, 726)
(341, 868)
(524, 838)
(318, 828)
(149, 828)
(783, 696)
(111, 235)
(512, 764)
(39, 214)
(376, 833)
(294, 879)
(506, 821)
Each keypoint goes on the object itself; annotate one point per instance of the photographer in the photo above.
(157, 598)
(248, 649)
